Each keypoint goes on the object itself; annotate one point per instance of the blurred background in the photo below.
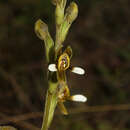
(101, 45)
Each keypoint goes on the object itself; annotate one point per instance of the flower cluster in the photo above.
(61, 66)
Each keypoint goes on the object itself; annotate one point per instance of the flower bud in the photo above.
(41, 29)
(72, 12)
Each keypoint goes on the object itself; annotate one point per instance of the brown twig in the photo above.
(22, 117)
(17, 88)
(102, 108)
(106, 108)
(22, 124)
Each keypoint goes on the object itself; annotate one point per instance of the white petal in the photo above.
(78, 98)
(52, 67)
(78, 70)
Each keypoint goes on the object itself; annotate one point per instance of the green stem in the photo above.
(50, 105)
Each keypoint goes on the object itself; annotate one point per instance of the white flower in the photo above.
(78, 98)
(52, 67)
(78, 70)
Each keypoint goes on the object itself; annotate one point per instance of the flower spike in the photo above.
(60, 59)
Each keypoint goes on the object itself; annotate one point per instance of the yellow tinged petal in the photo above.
(62, 108)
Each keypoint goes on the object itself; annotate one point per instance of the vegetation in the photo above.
(100, 42)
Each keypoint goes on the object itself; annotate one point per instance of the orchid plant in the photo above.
(58, 60)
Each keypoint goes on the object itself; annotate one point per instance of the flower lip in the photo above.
(63, 62)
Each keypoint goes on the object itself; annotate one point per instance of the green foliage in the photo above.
(105, 126)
